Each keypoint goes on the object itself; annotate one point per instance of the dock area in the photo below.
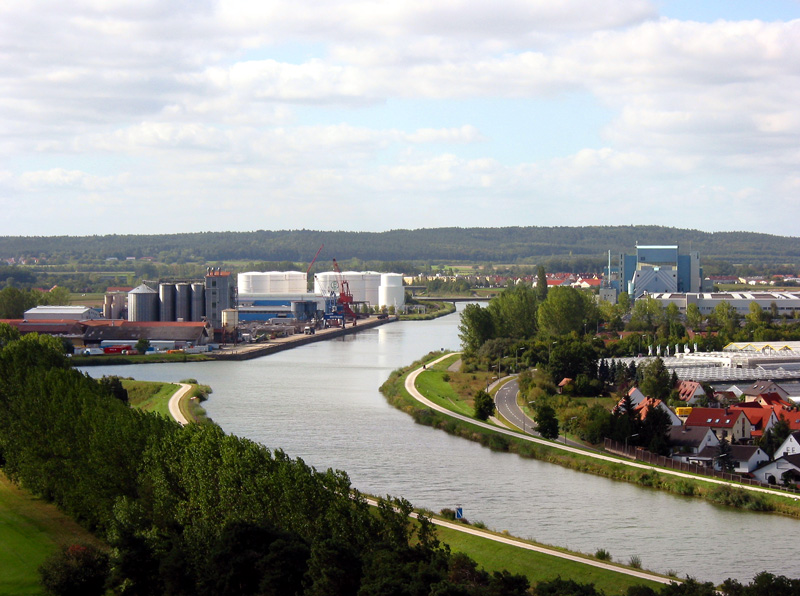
(249, 351)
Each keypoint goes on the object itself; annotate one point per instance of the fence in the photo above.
(642, 455)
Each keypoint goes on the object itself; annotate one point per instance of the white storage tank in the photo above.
(372, 282)
(326, 282)
(391, 291)
(355, 281)
(272, 282)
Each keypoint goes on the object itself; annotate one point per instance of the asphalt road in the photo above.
(505, 401)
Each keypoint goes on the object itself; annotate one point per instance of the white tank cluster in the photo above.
(378, 289)
(272, 282)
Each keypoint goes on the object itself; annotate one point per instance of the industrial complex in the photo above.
(192, 313)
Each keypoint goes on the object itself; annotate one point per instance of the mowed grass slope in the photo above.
(30, 530)
(496, 556)
(150, 396)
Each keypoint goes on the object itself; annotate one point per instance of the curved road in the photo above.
(412, 389)
(175, 404)
(506, 401)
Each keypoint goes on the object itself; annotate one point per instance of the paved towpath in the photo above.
(459, 527)
(412, 389)
(175, 404)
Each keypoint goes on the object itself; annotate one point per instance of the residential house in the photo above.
(690, 392)
(726, 423)
(648, 403)
(747, 458)
(779, 471)
(751, 392)
(761, 419)
(687, 443)
(791, 446)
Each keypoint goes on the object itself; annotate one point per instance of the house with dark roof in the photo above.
(752, 391)
(747, 458)
(779, 471)
(726, 423)
(688, 442)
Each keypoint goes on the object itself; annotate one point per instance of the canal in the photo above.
(321, 403)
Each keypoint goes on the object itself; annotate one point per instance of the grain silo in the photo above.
(391, 291)
(183, 301)
(198, 310)
(166, 301)
(143, 304)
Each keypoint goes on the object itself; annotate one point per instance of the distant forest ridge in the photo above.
(511, 245)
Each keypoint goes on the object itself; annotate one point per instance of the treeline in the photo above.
(563, 248)
(195, 511)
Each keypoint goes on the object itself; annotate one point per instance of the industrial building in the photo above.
(653, 269)
(785, 303)
(61, 313)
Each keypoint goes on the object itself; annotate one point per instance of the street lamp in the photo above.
(516, 358)
(626, 441)
(565, 429)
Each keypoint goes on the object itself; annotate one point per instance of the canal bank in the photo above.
(321, 403)
(249, 351)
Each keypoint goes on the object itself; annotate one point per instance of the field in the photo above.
(30, 530)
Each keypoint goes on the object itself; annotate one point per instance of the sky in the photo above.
(149, 117)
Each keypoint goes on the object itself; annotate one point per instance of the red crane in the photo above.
(345, 297)
(311, 264)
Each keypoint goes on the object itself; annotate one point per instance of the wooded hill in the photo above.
(521, 245)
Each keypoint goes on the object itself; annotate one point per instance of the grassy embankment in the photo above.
(495, 556)
(30, 530)
(152, 396)
(108, 359)
(456, 394)
(442, 309)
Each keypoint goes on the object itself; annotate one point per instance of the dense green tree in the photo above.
(647, 314)
(75, 570)
(564, 311)
(694, 318)
(572, 357)
(541, 284)
(656, 381)
(513, 312)
(483, 405)
(477, 326)
(726, 319)
(546, 421)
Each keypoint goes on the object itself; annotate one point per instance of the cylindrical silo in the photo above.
(297, 282)
(355, 281)
(198, 310)
(183, 302)
(391, 291)
(326, 282)
(166, 299)
(143, 304)
(372, 281)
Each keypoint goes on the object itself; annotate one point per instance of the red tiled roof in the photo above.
(713, 417)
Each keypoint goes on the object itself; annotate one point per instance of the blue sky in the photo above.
(152, 117)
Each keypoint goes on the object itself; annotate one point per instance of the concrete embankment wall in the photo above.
(249, 351)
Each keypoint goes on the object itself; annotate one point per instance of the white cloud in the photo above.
(238, 102)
